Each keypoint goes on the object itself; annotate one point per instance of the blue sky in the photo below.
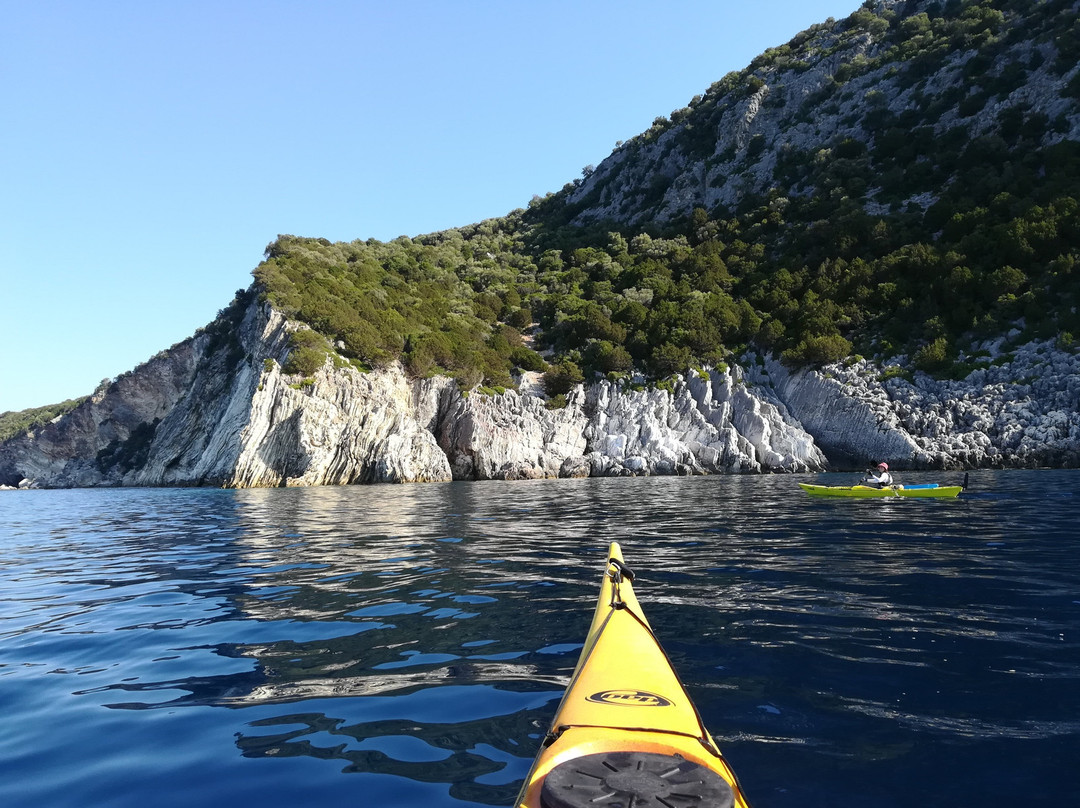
(151, 150)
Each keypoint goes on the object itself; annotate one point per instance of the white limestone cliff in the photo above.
(708, 423)
(511, 436)
(1021, 410)
(219, 410)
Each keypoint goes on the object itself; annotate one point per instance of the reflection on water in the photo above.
(408, 644)
(466, 736)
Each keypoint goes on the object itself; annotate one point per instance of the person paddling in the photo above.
(879, 476)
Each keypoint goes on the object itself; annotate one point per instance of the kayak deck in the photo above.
(866, 491)
(626, 732)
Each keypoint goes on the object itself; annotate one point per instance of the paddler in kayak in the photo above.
(879, 476)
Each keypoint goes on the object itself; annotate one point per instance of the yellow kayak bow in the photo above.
(626, 734)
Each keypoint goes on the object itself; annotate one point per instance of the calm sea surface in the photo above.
(407, 645)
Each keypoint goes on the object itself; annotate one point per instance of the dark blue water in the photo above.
(407, 645)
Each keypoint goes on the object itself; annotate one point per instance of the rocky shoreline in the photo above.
(1020, 411)
(204, 414)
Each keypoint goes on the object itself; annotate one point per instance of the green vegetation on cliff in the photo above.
(16, 423)
(808, 277)
(444, 303)
(909, 227)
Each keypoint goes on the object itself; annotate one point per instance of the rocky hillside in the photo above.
(888, 108)
(219, 409)
(863, 246)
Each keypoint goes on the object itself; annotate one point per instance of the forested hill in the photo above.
(903, 181)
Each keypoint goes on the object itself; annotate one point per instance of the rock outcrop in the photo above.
(822, 88)
(112, 429)
(708, 423)
(1021, 410)
(218, 409)
(511, 436)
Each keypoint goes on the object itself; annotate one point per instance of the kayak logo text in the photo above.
(629, 698)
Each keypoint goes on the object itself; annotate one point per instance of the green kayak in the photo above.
(865, 491)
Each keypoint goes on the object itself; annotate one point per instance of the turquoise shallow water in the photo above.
(407, 645)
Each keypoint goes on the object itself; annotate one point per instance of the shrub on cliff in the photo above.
(820, 350)
(561, 378)
(933, 356)
(527, 359)
(307, 353)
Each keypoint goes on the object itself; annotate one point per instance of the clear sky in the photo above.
(149, 151)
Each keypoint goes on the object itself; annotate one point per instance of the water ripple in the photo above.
(408, 644)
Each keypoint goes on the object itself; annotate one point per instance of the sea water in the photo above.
(407, 645)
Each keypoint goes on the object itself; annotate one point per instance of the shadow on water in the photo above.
(417, 638)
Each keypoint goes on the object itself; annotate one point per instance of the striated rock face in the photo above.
(113, 428)
(847, 425)
(510, 436)
(706, 425)
(1023, 410)
(344, 427)
(218, 410)
(214, 412)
